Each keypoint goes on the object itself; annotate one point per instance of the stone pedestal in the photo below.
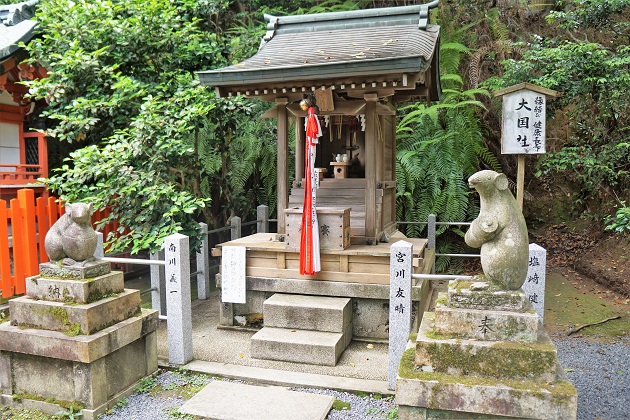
(78, 338)
(483, 354)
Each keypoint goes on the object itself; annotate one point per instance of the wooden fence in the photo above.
(24, 222)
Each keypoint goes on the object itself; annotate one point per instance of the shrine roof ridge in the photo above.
(16, 26)
(379, 44)
(354, 19)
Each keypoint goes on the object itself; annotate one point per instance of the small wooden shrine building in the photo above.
(23, 152)
(357, 66)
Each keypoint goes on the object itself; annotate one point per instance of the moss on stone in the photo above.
(76, 406)
(501, 360)
(413, 337)
(560, 390)
(73, 330)
(60, 314)
(340, 405)
(459, 285)
(433, 335)
(98, 295)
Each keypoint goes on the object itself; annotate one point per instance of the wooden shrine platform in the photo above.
(267, 256)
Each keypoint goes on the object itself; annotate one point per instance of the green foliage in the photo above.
(590, 13)
(145, 385)
(620, 223)
(104, 57)
(121, 78)
(392, 413)
(340, 405)
(591, 68)
(439, 147)
(138, 174)
(69, 414)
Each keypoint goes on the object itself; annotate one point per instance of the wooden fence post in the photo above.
(203, 266)
(17, 233)
(43, 227)
(26, 197)
(5, 261)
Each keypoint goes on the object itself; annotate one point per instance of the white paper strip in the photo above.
(233, 274)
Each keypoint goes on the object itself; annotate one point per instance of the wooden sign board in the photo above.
(324, 99)
(523, 123)
(524, 109)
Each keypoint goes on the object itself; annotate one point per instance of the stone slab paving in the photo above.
(234, 401)
(287, 378)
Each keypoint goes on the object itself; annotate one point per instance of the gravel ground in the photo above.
(599, 371)
(601, 374)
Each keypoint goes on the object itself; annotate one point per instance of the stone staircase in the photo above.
(304, 329)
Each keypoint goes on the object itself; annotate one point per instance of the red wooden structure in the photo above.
(24, 222)
(23, 151)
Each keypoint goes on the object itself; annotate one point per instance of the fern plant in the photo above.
(439, 147)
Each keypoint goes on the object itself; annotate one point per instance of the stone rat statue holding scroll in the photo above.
(72, 238)
(500, 231)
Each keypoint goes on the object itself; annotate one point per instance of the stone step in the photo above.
(74, 319)
(304, 312)
(235, 401)
(535, 361)
(73, 290)
(300, 346)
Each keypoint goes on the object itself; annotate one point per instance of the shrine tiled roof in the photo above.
(370, 45)
(15, 26)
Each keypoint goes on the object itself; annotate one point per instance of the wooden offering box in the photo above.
(334, 227)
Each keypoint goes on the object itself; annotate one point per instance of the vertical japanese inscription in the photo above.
(523, 123)
(534, 286)
(401, 254)
(177, 270)
(233, 260)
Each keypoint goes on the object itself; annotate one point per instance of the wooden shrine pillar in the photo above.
(380, 149)
(300, 135)
(282, 162)
(370, 167)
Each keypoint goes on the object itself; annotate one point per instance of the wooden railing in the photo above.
(20, 174)
(24, 222)
(23, 227)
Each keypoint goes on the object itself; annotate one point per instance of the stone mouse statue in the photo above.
(72, 238)
(500, 231)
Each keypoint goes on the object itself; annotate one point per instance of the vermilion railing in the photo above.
(24, 222)
(20, 174)
(28, 221)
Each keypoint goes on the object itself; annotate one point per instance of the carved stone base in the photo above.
(85, 370)
(75, 291)
(79, 271)
(483, 354)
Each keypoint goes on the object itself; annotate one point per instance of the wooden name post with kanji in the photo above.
(523, 133)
